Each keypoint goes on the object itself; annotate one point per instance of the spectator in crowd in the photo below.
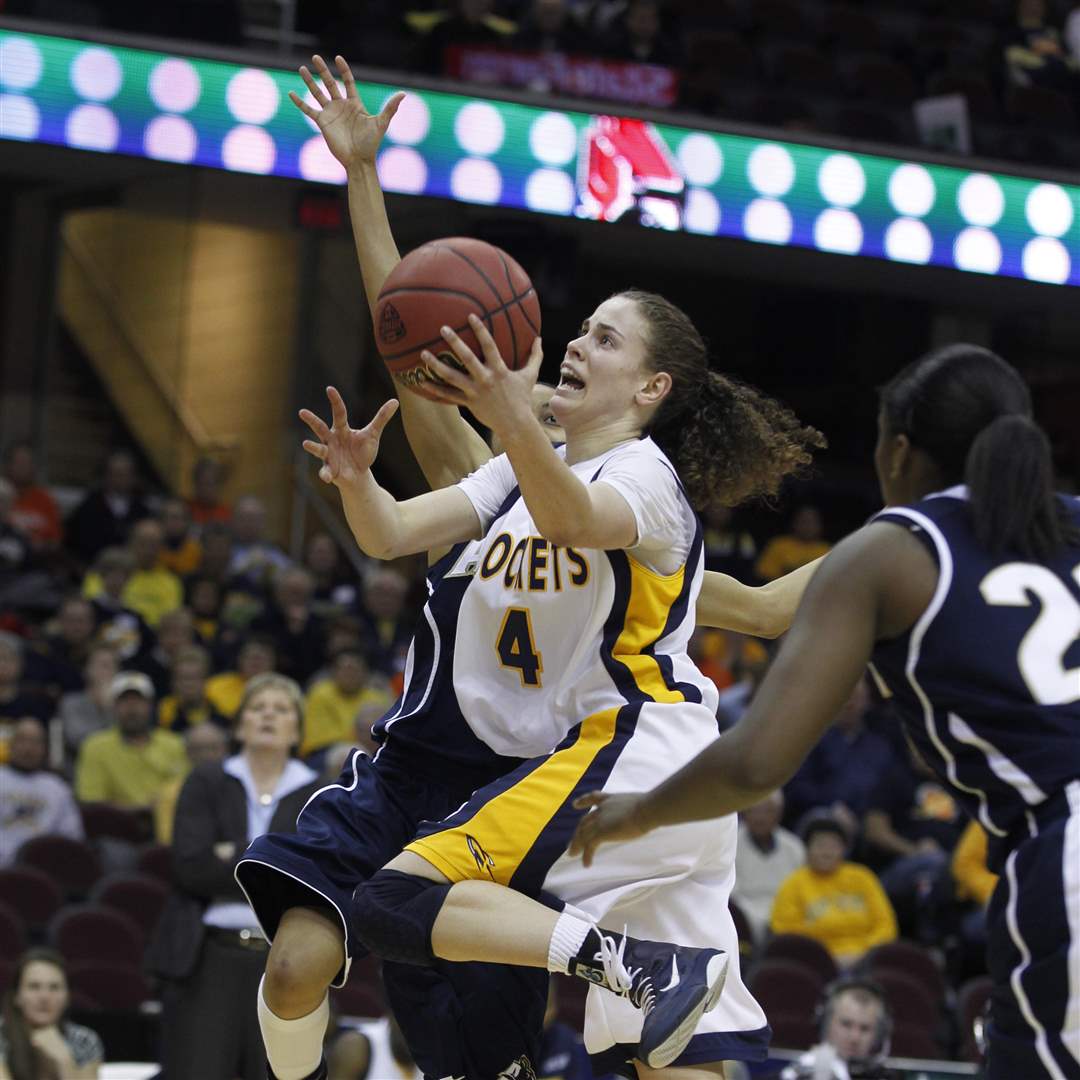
(386, 622)
(974, 881)
(765, 856)
(804, 543)
(151, 590)
(33, 801)
(838, 903)
(225, 690)
(180, 551)
(206, 744)
(333, 704)
(175, 631)
(550, 26)
(203, 597)
(129, 763)
(638, 35)
(255, 560)
(729, 549)
(856, 1024)
(105, 516)
(17, 699)
(117, 625)
(35, 512)
(562, 1054)
(37, 1041)
(187, 706)
(83, 712)
(1036, 54)
(912, 824)
(60, 660)
(206, 504)
(16, 556)
(335, 592)
(844, 768)
(299, 634)
(463, 23)
(208, 945)
(217, 553)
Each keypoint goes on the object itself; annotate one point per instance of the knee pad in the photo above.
(393, 913)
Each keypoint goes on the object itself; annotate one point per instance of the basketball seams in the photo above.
(506, 311)
(479, 271)
(518, 297)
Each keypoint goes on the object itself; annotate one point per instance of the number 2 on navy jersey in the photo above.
(1041, 656)
(516, 646)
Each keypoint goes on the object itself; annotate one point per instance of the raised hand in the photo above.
(346, 453)
(351, 132)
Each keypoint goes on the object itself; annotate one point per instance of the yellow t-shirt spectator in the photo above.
(225, 692)
(330, 715)
(153, 593)
(973, 880)
(783, 554)
(847, 910)
(114, 770)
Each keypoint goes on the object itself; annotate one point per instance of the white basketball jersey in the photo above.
(550, 635)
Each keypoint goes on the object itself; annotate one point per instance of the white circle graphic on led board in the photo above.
(771, 170)
(841, 180)
(977, 250)
(912, 191)
(702, 212)
(1046, 259)
(701, 159)
(411, 122)
(19, 117)
(318, 164)
(980, 200)
(170, 138)
(479, 128)
(252, 96)
(175, 85)
(92, 127)
(21, 63)
(402, 169)
(768, 221)
(96, 74)
(553, 139)
(1049, 210)
(550, 191)
(476, 180)
(838, 231)
(249, 149)
(908, 240)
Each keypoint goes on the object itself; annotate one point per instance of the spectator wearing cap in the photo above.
(151, 589)
(105, 516)
(33, 801)
(35, 512)
(764, 857)
(180, 551)
(17, 699)
(836, 902)
(225, 690)
(84, 712)
(128, 764)
(334, 703)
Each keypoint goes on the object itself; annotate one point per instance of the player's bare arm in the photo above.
(383, 527)
(446, 447)
(764, 611)
(873, 586)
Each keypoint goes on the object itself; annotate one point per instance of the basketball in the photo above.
(441, 284)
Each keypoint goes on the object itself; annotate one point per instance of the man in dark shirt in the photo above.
(106, 514)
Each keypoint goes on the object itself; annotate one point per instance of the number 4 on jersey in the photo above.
(516, 646)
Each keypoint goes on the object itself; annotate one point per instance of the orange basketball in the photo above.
(441, 284)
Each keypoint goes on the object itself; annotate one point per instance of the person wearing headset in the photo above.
(856, 1026)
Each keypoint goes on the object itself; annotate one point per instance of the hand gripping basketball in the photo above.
(346, 453)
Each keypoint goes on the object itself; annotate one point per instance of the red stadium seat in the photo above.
(101, 819)
(88, 932)
(786, 989)
(915, 1041)
(109, 986)
(909, 1000)
(138, 896)
(12, 932)
(971, 1001)
(73, 865)
(909, 959)
(805, 951)
(31, 893)
(791, 1032)
(156, 861)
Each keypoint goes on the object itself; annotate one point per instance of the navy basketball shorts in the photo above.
(1034, 954)
(470, 1020)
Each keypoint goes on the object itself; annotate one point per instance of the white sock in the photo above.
(293, 1047)
(566, 940)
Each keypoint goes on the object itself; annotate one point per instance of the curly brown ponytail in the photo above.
(730, 442)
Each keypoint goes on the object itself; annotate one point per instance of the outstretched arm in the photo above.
(763, 611)
(875, 584)
(446, 447)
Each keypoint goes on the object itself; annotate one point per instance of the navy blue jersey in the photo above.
(988, 680)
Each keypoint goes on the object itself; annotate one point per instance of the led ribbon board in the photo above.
(226, 116)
